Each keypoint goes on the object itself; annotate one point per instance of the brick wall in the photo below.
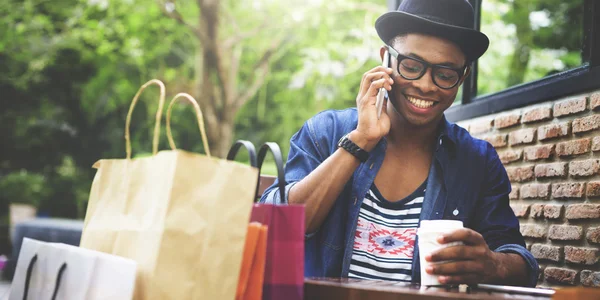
(551, 152)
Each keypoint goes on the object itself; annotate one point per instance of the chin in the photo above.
(421, 122)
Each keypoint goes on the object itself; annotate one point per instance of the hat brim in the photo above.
(472, 42)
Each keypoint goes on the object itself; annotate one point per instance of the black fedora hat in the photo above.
(449, 19)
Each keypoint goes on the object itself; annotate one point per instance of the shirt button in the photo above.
(440, 142)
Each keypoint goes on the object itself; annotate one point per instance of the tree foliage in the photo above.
(259, 68)
(530, 39)
(70, 69)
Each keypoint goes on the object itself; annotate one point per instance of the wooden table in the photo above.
(353, 289)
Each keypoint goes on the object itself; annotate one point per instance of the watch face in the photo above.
(343, 138)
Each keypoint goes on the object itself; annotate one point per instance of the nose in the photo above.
(425, 83)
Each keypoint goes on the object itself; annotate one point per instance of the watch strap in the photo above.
(348, 145)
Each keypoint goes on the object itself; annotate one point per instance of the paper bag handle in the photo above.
(58, 278)
(276, 151)
(249, 147)
(161, 104)
(198, 117)
(28, 275)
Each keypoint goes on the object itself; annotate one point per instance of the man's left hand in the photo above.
(470, 263)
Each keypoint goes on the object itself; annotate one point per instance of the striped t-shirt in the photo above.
(385, 236)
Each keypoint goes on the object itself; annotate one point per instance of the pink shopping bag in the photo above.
(284, 271)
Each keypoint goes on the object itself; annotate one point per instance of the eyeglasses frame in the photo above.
(399, 57)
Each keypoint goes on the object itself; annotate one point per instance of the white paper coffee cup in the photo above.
(428, 232)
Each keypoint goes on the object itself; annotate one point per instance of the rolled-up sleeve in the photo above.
(532, 264)
(496, 220)
(304, 156)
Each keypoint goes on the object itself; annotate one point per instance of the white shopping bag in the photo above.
(60, 271)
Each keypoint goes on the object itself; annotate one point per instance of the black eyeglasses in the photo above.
(411, 68)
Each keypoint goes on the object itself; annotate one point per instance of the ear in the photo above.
(382, 52)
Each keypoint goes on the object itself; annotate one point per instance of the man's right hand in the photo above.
(371, 129)
(319, 190)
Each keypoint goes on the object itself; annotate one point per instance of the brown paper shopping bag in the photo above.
(181, 216)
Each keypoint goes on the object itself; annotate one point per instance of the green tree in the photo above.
(232, 57)
(69, 69)
(321, 70)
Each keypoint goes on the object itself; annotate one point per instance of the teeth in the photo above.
(420, 103)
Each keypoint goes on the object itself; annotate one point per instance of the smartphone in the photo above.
(382, 91)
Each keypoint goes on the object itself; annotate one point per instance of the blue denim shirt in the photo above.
(466, 175)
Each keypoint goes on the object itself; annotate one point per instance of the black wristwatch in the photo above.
(348, 145)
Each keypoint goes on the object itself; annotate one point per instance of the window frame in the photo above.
(579, 80)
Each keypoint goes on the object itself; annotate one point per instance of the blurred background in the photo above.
(258, 68)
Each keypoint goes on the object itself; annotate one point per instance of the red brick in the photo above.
(582, 211)
(569, 107)
(593, 235)
(535, 191)
(580, 168)
(523, 136)
(560, 275)
(533, 231)
(481, 126)
(575, 147)
(552, 211)
(509, 156)
(595, 101)
(536, 211)
(586, 124)
(521, 210)
(580, 255)
(565, 233)
(590, 278)
(514, 193)
(553, 131)
(596, 143)
(498, 141)
(546, 252)
(538, 152)
(507, 121)
(537, 114)
(568, 190)
(551, 170)
(593, 189)
(520, 174)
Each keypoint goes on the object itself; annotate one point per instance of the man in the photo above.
(366, 182)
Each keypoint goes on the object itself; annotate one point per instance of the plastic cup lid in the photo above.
(439, 225)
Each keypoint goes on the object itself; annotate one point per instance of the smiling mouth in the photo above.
(420, 103)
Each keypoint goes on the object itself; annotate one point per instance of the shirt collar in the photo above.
(446, 136)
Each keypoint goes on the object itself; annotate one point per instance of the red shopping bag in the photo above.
(284, 271)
